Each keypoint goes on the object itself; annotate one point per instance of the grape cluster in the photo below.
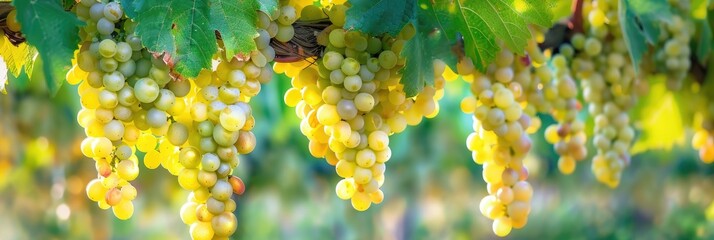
(674, 54)
(500, 141)
(126, 97)
(609, 86)
(194, 128)
(568, 135)
(351, 101)
(222, 122)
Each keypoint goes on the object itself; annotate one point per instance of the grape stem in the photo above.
(304, 44)
(16, 38)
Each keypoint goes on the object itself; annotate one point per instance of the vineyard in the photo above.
(273, 119)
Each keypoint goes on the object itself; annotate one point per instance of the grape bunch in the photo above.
(126, 95)
(500, 141)
(350, 102)
(194, 128)
(609, 86)
(568, 135)
(674, 53)
(222, 121)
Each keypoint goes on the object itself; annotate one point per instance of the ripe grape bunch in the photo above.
(609, 86)
(351, 100)
(126, 96)
(222, 122)
(674, 52)
(568, 135)
(500, 141)
(132, 102)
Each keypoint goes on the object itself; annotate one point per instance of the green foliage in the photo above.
(131, 7)
(704, 21)
(180, 29)
(378, 17)
(54, 35)
(428, 44)
(269, 7)
(561, 10)
(235, 20)
(640, 23)
(185, 30)
(483, 22)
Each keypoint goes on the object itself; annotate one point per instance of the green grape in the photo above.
(107, 48)
(177, 134)
(146, 90)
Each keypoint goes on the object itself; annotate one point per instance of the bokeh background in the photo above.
(433, 188)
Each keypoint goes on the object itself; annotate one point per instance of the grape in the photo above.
(288, 15)
(113, 12)
(146, 90)
(123, 52)
(156, 118)
(177, 134)
(108, 64)
(104, 26)
(337, 38)
(285, 33)
(107, 48)
(113, 81)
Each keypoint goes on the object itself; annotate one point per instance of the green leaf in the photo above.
(705, 41)
(536, 11)
(428, 44)
(54, 35)
(180, 28)
(235, 20)
(132, 7)
(704, 22)
(482, 22)
(480, 44)
(382, 16)
(639, 22)
(699, 9)
(562, 9)
(269, 7)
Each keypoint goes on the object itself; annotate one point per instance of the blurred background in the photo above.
(433, 188)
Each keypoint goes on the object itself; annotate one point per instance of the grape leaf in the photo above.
(704, 24)
(180, 28)
(639, 22)
(561, 10)
(538, 12)
(705, 41)
(699, 9)
(15, 57)
(428, 44)
(54, 35)
(269, 7)
(378, 17)
(131, 7)
(659, 108)
(235, 20)
(482, 22)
